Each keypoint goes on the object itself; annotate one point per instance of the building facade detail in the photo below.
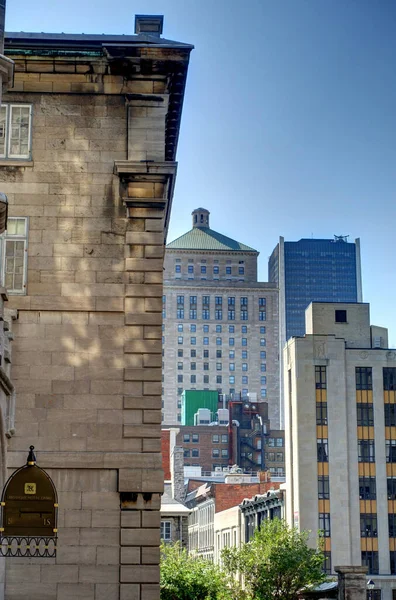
(89, 169)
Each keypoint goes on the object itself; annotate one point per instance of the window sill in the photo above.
(16, 163)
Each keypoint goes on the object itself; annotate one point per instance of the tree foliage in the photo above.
(185, 577)
(277, 563)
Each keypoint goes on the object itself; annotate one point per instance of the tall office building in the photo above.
(220, 324)
(340, 382)
(312, 270)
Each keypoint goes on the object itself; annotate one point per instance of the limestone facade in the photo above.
(340, 381)
(93, 188)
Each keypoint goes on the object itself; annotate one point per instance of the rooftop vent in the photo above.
(151, 24)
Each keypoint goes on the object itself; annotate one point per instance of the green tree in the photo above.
(277, 563)
(184, 577)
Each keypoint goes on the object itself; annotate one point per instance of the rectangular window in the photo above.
(193, 328)
(263, 354)
(180, 313)
(262, 330)
(193, 300)
(263, 393)
(215, 438)
(244, 366)
(231, 301)
(368, 525)
(244, 342)
(186, 453)
(180, 353)
(206, 341)
(224, 453)
(190, 268)
(166, 531)
(367, 488)
(218, 315)
(365, 414)
(15, 131)
(231, 315)
(390, 415)
(263, 367)
(245, 380)
(218, 341)
(244, 315)
(193, 314)
(390, 448)
(180, 379)
(232, 366)
(193, 379)
(14, 255)
(228, 270)
(177, 268)
(224, 438)
(321, 413)
(218, 353)
(231, 341)
(232, 379)
(392, 570)
(180, 328)
(193, 366)
(218, 300)
(262, 302)
(370, 560)
(206, 379)
(180, 339)
(392, 525)
(193, 341)
(218, 328)
(366, 451)
(389, 376)
(231, 354)
(180, 366)
(195, 438)
(324, 524)
(320, 378)
(244, 354)
(215, 270)
(327, 562)
(340, 316)
(231, 328)
(262, 315)
(323, 450)
(323, 487)
(205, 328)
(193, 353)
(180, 300)
(219, 379)
(206, 353)
(206, 366)
(364, 378)
(205, 300)
(241, 270)
(186, 438)
(391, 488)
(263, 380)
(203, 268)
(215, 452)
(195, 453)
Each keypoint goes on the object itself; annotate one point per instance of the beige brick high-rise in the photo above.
(90, 193)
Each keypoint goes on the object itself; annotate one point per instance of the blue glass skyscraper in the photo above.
(313, 270)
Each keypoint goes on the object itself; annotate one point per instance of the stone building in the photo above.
(340, 383)
(88, 163)
(221, 324)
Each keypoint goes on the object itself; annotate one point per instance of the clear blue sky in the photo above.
(289, 124)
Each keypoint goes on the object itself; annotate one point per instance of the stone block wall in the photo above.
(87, 360)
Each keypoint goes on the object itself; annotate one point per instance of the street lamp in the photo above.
(370, 587)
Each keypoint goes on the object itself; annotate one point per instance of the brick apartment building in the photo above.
(87, 159)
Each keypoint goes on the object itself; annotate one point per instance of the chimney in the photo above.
(200, 217)
(177, 473)
(150, 24)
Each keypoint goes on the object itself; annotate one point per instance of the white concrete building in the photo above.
(340, 394)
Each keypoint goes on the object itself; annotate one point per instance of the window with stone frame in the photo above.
(13, 244)
(166, 531)
(16, 131)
